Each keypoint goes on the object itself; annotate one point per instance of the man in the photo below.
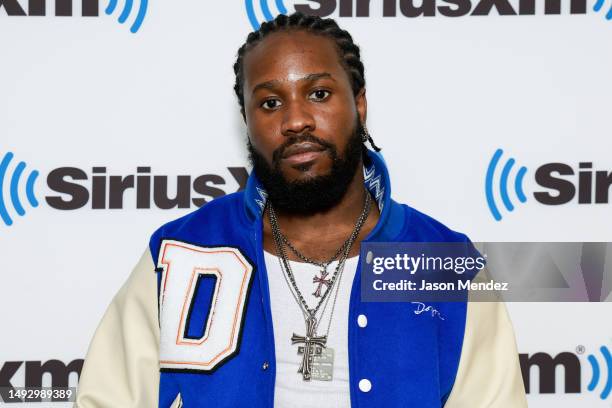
(253, 300)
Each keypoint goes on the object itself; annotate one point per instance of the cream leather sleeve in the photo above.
(489, 374)
(121, 368)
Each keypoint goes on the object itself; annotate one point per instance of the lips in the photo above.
(302, 153)
(300, 148)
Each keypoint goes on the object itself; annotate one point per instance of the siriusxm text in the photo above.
(448, 8)
(100, 190)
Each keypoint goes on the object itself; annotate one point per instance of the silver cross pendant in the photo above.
(313, 345)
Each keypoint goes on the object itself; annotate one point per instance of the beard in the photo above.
(314, 194)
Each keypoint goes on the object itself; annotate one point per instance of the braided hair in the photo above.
(348, 51)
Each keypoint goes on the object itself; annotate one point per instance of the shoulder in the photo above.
(220, 214)
(419, 226)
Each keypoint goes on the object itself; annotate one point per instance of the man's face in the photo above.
(302, 119)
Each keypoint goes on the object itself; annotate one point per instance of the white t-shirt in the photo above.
(291, 391)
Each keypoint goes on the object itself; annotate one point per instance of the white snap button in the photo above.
(365, 385)
(362, 320)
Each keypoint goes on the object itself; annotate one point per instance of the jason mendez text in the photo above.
(404, 284)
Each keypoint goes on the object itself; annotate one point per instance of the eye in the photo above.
(319, 95)
(271, 104)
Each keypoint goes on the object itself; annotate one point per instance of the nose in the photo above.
(297, 119)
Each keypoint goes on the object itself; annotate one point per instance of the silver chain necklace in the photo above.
(304, 258)
(320, 280)
(281, 251)
(322, 362)
(325, 302)
(312, 343)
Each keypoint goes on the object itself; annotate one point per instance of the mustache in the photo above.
(304, 137)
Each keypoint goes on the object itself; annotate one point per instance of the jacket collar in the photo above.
(376, 178)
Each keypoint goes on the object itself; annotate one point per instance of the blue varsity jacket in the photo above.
(217, 343)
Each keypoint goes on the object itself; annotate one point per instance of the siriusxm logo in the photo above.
(127, 10)
(503, 184)
(78, 188)
(572, 368)
(591, 187)
(89, 8)
(595, 379)
(14, 188)
(265, 10)
(599, 6)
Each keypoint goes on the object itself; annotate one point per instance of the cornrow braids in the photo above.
(348, 51)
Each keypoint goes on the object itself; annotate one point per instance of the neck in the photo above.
(321, 234)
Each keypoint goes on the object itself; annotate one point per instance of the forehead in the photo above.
(288, 55)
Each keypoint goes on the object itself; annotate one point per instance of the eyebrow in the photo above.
(307, 78)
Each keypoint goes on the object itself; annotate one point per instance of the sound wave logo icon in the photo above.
(605, 393)
(127, 10)
(599, 6)
(14, 188)
(266, 11)
(503, 184)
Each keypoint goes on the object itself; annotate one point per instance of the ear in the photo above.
(361, 103)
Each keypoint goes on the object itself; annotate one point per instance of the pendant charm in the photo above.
(313, 345)
(321, 281)
(323, 365)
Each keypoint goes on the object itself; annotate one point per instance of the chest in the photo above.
(404, 357)
(329, 387)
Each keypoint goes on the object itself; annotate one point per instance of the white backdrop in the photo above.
(444, 94)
